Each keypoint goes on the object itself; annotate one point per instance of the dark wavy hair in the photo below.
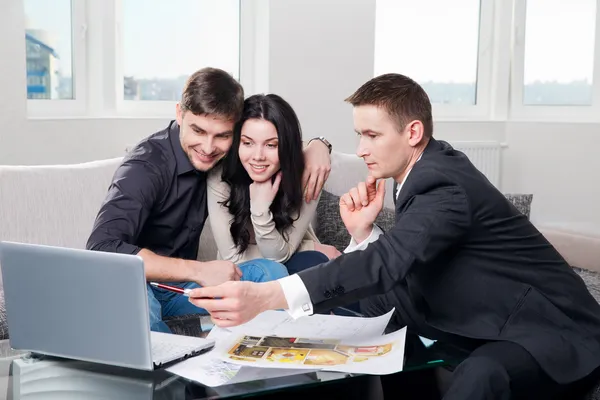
(288, 200)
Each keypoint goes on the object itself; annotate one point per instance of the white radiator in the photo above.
(486, 156)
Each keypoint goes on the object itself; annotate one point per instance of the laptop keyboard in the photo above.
(167, 350)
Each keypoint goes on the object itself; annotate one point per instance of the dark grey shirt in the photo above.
(157, 201)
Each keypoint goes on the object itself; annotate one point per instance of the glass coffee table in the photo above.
(24, 376)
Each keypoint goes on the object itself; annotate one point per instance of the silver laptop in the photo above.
(85, 305)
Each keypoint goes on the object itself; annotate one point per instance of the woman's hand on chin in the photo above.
(263, 193)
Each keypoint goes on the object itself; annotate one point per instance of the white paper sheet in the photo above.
(280, 323)
(379, 355)
(208, 369)
(214, 369)
(214, 372)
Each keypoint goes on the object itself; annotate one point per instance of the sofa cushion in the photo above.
(578, 249)
(330, 228)
(591, 279)
(53, 204)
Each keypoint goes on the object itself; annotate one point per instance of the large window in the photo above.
(48, 49)
(165, 41)
(559, 52)
(435, 42)
(477, 59)
(495, 59)
(554, 61)
(126, 57)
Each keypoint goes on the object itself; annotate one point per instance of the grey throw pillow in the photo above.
(330, 228)
(3, 321)
(522, 202)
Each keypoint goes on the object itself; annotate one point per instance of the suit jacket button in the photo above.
(340, 290)
(327, 294)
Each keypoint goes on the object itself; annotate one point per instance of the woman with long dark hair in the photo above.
(255, 201)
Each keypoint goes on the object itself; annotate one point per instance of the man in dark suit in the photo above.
(461, 264)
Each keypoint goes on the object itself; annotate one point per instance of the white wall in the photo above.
(25, 141)
(319, 53)
(313, 44)
(559, 164)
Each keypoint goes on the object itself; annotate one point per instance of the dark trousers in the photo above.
(306, 259)
(492, 369)
(303, 260)
(505, 370)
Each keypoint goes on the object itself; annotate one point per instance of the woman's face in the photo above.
(258, 150)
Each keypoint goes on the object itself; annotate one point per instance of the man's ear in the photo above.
(178, 114)
(416, 132)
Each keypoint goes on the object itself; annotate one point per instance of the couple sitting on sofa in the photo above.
(241, 162)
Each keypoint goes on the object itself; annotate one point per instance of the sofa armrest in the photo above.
(580, 250)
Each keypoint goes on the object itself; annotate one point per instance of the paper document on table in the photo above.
(215, 368)
(210, 370)
(380, 355)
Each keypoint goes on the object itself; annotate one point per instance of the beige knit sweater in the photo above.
(265, 240)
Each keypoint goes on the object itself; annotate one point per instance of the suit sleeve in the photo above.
(128, 204)
(435, 219)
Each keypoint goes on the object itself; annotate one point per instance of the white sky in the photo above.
(169, 38)
(429, 40)
(559, 42)
(437, 40)
(161, 38)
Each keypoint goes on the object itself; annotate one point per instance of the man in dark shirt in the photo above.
(156, 205)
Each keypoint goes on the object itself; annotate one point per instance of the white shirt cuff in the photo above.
(296, 295)
(353, 246)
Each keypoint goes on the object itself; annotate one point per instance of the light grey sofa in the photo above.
(57, 205)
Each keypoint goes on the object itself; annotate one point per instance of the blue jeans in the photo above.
(163, 303)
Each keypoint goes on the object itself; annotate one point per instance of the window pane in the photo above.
(559, 52)
(165, 41)
(48, 49)
(434, 42)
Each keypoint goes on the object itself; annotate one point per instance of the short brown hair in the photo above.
(401, 97)
(213, 91)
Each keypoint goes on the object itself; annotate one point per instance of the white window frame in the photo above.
(98, 78)
(166, 109)
(97, 64)
(548, 113)
(482, 108)
(52, 108)
(254, 46)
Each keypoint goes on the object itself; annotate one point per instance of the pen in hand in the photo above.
(185, 292)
